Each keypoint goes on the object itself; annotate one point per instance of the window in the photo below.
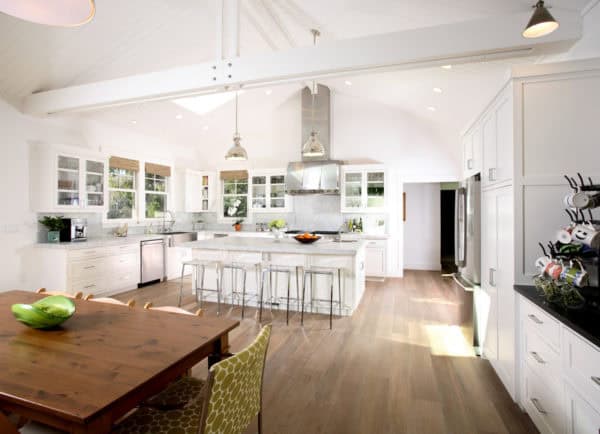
(121, 193)
(156, 195)
(235, 198)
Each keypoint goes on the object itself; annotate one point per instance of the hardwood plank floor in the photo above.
(403, 363)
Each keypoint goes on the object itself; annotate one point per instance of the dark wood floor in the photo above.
(403, 363)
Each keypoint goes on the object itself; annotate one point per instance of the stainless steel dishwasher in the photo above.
(152, 263)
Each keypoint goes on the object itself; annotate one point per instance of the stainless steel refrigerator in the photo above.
(467, 235)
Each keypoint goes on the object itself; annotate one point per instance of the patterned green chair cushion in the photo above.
(177, 394)
(151, 421)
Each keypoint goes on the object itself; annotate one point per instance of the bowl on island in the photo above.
(47, 313)
(307, 238)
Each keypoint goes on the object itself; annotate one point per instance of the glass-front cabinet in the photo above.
(363, 189)
(267, 192)
(79, 183)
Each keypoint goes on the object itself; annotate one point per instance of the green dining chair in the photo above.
(226, 403)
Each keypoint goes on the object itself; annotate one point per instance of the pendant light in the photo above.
(236, 152)
(542, 23)
(62, 13)
(313, 147)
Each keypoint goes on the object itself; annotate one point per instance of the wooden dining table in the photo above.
(101, 363)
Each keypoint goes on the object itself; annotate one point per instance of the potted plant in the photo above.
(54, 226)
(277, 227)
(237, 225)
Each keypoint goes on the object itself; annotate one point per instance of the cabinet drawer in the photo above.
(581, 366)
(541, 357)
(543, 324)
(86, 270)
(91, 286)
(125, 249)
(79, 254)
(543, 404)
(582, 418)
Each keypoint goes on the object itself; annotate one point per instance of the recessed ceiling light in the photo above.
(431, 108)
(446, 66)
(437, 90)
(205, 127)
(268, 92)
(179, 117)
(134, 122)
(348, 83)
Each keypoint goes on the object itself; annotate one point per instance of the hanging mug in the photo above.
(553, 270)
(586, 234)
(564, 236)
(576, 276)
(541, 263)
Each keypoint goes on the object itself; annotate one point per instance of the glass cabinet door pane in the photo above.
(353, 202)
(375, 190)
(66, 198)
(259, 191)
(68, 163)
(353, 177)
(277, 191)
(353, 189)
(68, 181)
(278, 179)
(277, 203)
(94, 183)
(375, 177)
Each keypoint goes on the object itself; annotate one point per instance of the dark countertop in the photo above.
(585, 321)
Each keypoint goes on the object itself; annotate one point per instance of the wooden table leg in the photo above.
(6, 425)
(220, 351)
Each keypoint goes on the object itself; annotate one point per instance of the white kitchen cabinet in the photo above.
(66, 179)
(375, 258)
(581, 416)
(267, 192)
(498, 141)
(497, 282)
(200, 191)
(363, 189)
(472, 151)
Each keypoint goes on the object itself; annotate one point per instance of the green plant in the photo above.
(52, 223)
(238, 222)
(277, 224)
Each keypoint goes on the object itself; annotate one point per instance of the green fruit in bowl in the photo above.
(45, 313)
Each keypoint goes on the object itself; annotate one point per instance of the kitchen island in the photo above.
(347, 255)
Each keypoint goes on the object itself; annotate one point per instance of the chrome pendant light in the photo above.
(236, 152)
(62, 13)
(542, 22)
(313, 147)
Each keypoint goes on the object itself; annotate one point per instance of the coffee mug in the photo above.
(553, 270)
(574, 276)
(564, 236)
(541, 263)
(586, 234)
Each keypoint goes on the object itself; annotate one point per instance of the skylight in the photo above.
(203, 104)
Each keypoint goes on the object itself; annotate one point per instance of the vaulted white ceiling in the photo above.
(136, 36)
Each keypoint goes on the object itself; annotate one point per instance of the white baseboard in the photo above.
(424, 267)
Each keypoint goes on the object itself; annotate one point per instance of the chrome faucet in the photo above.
(170, 221)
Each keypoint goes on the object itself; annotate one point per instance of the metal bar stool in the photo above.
(268, 269)
(234, 268)
(312, 273)
(197, 265)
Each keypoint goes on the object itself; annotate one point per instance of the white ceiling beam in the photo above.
(251, 15)
(228, 29)
(303, 18)
(276, 18)
(491, 38)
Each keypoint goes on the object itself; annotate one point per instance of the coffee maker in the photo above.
(73, 230)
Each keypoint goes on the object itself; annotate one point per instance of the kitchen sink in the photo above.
(176, 238)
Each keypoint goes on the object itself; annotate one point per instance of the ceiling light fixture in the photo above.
(542, 22)
(62, 13)
(205, 127)
(348, 83)
(236, 152)
(133, 121)
(268, 92)
(179, 117)
(431, 108)
(313, 147)
(446, 66)
(437, 90)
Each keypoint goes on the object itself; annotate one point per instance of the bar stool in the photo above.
(234, 268)
(197, 265)
(268, 269)
(312, 273)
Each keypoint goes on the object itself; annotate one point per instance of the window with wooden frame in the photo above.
(122, 188)
(156, 189)
(235, 194)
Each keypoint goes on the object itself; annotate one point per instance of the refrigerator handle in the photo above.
(460, 218)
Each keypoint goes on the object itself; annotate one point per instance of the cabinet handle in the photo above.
(535, 319)
(596, 380)
(492, 173)
(89, 267)
(88, 286)
(492, 276)
(538, 406)
(537, 357)
(470, 163)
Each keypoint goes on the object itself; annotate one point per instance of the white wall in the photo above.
(422, 229)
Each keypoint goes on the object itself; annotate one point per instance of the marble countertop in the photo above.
(286, 245)
(100, 242)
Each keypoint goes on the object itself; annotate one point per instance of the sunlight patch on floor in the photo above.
(435, 301)
(448, 340)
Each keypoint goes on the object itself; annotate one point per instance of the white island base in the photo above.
(349, 256)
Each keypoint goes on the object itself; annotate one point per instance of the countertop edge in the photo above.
(530, 292)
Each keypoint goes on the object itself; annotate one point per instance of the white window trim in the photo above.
(167, 193)
(222, 218)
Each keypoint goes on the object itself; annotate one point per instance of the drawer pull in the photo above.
(89, 286)
(538, 406)
(537, 357)
(535, 319)
(596, 380)
(89, 267)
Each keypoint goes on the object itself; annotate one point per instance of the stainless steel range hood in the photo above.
(315, 175)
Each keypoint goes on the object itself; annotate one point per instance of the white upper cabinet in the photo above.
(267, 192)
(200, 191)
(62, 179)
(472, 144)
(363, 189)
(498, 141)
